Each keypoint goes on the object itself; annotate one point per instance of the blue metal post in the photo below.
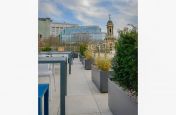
(63, 74)
(39, 106)
(43, 91)
(65, 79)
(70, 60)
(46, 103)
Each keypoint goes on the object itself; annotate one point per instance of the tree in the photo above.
(54, 42)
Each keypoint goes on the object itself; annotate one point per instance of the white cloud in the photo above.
(85, 10)
(89, 12)
(127, 13)
(49, 8)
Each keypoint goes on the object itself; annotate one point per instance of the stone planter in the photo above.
(119, 102)
(100, 79)
(87, 64)
(75, 55)
(83, 59)
(79, 57)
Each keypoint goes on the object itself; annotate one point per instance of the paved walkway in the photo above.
(83, 98)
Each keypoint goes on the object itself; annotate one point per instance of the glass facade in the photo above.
(76, 34)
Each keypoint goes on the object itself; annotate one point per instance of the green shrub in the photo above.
(46, 49)
(125, 61)
(82, 49)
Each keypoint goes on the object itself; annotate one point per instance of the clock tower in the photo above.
(109, 27)
(110, 39)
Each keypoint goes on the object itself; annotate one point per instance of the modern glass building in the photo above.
(76, 34)
(56, 28)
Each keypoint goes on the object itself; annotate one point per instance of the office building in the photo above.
(44, 27)
(78, 33)
(47, 28)
(56, 28)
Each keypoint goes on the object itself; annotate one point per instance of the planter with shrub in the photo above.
(122, 87)
(80, 57)
(88, 60)
(82, 49)
(100, 73)
(75, 54)
(83, 60)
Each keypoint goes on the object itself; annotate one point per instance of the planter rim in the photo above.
(133, 98)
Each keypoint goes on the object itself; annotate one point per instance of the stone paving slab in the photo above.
(80, 104)
(103, 105)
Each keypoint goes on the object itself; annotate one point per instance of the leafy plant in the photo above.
(125, 61)
(46, 49)
(88, 54)
(82, 49)
(103, 64)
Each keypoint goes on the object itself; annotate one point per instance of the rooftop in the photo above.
(83, 98)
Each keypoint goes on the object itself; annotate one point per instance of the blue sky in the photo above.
(91, 12)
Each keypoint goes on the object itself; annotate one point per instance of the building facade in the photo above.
(47, 28)
(110, 39)
(44, 27)
(79, 33)
(110, 26)
(56, 28)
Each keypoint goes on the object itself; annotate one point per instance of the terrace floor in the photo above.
(83, 98)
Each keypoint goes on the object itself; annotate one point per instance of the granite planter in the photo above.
(100, 79)
(75, 55)
(83, 59)
(119, 102)
(79, 57)
(87, 64)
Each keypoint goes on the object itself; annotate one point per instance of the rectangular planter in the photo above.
(83, 59)
(100, 79)
(75, 55)
(119, 102)
(87, 64)
(79, 57)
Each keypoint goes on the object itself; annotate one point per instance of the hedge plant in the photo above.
(125, 64)
(82, 49)
(46, 49)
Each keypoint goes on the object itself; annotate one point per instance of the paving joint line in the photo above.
(92, 93)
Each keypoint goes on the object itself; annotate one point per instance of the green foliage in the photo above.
(46, 49)
(125, 64)
(82, 49)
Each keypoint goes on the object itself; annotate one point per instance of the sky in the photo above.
(91, 12)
